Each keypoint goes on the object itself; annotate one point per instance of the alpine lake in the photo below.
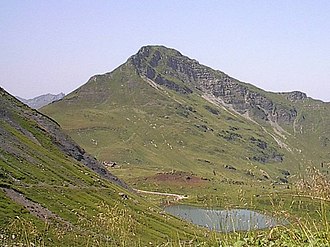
(225, 220)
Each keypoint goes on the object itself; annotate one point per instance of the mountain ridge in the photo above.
(209, 81)
(167, 91)
(41, 100)
(295, 94)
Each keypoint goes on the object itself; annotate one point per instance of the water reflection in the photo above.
(225, 220)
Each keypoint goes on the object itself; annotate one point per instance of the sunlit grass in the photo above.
(118, 226)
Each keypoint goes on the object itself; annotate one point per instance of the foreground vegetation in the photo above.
(48, 196)
(116, 225)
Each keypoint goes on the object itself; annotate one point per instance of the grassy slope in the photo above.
(92, 210)
(138, 126)
(148, 131)
(120, 117)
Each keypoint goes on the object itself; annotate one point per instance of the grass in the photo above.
(315, 185)
(114, 221)
(99, 216)
(149, 132)
(34, 166)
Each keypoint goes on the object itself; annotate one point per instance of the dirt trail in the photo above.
(176, 196)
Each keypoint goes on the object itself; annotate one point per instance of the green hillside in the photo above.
(52, 193)
(164, 122)
(163, 117)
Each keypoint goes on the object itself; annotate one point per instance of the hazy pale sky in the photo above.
(56, 46)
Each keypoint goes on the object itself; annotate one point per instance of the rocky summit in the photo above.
(162, 111)
(160, 67)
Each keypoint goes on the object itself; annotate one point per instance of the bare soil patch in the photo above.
(178, 177)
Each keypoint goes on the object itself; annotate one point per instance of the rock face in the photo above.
(42, 100)
(295, 96)
(169, 68)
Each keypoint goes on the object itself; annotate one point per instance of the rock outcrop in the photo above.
(169, 68)
(295, 96)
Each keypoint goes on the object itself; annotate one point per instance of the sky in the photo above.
(56, 46)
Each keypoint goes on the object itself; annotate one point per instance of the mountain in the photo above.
(53, 193)
(41, 100)
(174, 124)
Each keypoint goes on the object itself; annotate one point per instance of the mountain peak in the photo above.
(162, 108)
(153, 54)
(170, 69)
(157, 48)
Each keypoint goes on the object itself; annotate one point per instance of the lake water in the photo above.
(225, 220)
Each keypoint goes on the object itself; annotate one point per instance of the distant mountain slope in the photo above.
(46, 176)
(162, 111)
(41, 100)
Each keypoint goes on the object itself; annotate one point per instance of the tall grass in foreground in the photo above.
(112, 226)
(118, 226)
(301, 231)
(315, 185)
